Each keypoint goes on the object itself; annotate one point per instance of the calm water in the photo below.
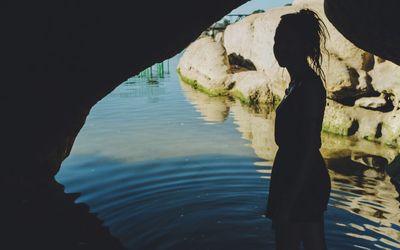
(166, 167)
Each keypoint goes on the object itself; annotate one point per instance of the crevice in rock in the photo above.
(378, 133)
(353, 128)
(350, 101)
(388, 107)
(230, 85)
(239, 63)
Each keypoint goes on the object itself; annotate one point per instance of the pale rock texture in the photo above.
(255, 87)
(345, 65)
(371, 102)
(363, 90)
(386, 79)
(205, 62)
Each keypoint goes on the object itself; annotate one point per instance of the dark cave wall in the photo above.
(372, 25)
(60, 57)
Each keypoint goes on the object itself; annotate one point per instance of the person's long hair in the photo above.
(313, 33)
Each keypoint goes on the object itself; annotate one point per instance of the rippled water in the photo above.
(166, 167)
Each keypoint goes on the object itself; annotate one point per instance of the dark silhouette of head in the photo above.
(299, 39)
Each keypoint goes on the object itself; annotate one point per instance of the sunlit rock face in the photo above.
(363, 89)
(370, 24)
(205, 62)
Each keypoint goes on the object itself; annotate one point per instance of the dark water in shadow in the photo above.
(198, 202)
(166, 167)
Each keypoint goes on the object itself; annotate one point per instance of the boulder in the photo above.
(345, 65)
(385, 78)
(205, 66)
(255, 87)
(371, 102)
(338, 119)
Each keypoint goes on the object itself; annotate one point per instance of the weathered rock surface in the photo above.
(345, 66)
(371, 102)
(258, 128)
(205, 63)
(385, 78)
(255, 87)
(363, 89)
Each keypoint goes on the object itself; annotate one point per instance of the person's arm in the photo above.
(310, 108)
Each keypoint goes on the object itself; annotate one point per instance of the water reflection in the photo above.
(360, 184)
(212, 109)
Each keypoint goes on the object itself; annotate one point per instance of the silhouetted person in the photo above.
(300, 184)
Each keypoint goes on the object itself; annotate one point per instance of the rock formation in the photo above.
(363, 89)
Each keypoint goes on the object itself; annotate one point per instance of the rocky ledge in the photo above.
(363, 89)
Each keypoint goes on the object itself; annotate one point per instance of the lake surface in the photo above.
(167, 167)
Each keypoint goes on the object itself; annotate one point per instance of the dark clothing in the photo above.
(298, 124)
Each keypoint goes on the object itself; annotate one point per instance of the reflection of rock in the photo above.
(368, 193)
(369, 160)
(393, 169)
(359, 184)
(334, 146)
(211, 109)
(257, 129)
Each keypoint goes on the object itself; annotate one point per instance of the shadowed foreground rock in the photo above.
(58, 58)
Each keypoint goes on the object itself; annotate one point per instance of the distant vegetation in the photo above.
(258, 11)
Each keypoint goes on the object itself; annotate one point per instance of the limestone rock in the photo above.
(205, 65)
(371, 102)
(391, 128)
(345, 65)
(386, 79)
(337, 119)
(255, 87)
